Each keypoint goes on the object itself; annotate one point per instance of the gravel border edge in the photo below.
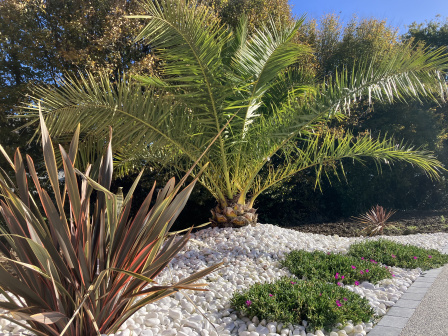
(397, 317)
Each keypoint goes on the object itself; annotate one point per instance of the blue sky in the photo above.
(399, 13)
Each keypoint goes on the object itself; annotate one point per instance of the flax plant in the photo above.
(375, 220)
(78, 264)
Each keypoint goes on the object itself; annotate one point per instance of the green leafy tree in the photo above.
(434, 33)
(337, 46)
(40, 40)
(256, 11)
(275, 115)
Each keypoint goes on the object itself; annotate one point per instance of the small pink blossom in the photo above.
(393, 256)
(353, 266)
(362, 258)
(345, 299)
(342, 277)
(362, 272)
(336, 276)
(393, 275)
(356, 283)
(415, 257)
(339, 284)
(430, 256)
(293, 283)
(367, 271)
(271, 295)
(339, 304)
(248, 303)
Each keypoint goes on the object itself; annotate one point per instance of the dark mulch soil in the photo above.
(401, 223)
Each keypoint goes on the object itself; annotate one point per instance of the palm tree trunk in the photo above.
(233, 215)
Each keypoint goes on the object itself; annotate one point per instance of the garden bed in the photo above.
(254, 255)
(401, 223)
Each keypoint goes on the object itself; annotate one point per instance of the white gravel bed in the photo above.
(251, 255)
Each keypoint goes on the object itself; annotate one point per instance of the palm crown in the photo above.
(253, 86)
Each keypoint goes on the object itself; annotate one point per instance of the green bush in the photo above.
(394, 254)
(289, 300)
(334, 268)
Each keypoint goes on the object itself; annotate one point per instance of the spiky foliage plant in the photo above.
(210, 73)
(82, 266)
(375, 220)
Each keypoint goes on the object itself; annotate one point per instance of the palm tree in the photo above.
(214, 78)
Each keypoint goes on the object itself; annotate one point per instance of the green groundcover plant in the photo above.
(289, 300)
(335, 268)
(394, 254)
(82, 267)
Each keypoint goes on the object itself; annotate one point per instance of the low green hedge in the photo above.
(394, 254)
(289, 300)
(319, 298)
(334, 268)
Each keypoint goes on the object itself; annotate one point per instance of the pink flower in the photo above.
(342, 277)
(336, 276)
(345, 299)
(393, 256)
(353, 266)
(338, 304)
(248, 303)
(367, 271)
(328, 253)
(393, 274)
(339, 284)
(362, 272)
(271, 295)
(320, 294)
(362, 258)
(375, 262)
(430, 256)
(415, 257)
(356, 283)
(293, 283)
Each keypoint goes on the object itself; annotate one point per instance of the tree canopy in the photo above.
(213, 78)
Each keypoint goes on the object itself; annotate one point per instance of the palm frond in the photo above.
(260, 60)
(405, 74)
(327, 151)
(143, 120)
(190, 41)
